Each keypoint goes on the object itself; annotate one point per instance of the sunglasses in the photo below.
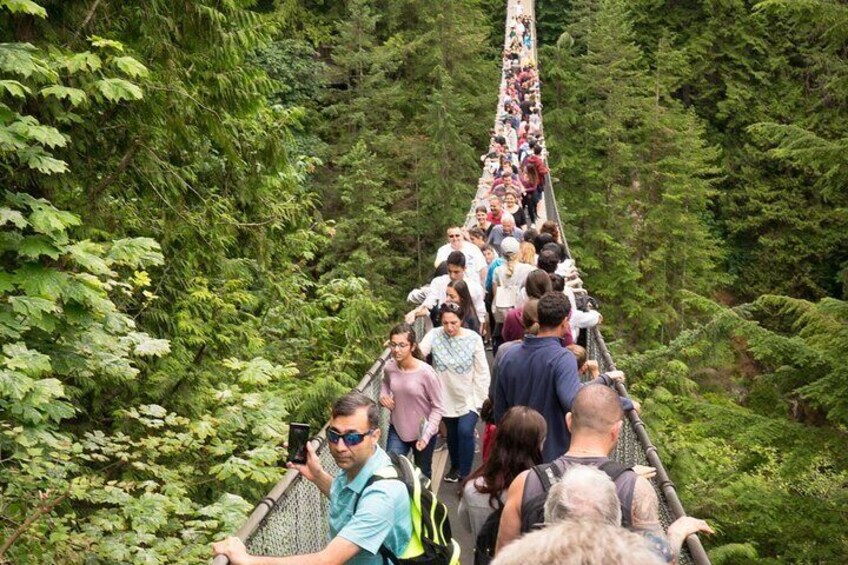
(450, 307)
(350, 438)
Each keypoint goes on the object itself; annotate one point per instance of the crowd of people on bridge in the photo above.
(547, 490)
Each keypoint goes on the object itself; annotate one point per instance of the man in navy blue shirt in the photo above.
(542, 374)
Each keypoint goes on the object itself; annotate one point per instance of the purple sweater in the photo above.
(417, 394)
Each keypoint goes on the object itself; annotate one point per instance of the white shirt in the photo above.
(460, 362)
(438, 294)
(579, 319)
(474, 259)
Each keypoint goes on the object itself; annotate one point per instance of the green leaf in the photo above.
(17, 58)
(28, 361)
(7, 282)
(32, 307)
(117, 89)
(41, 281)
(14, 385)
(258, 371)
(34, 246)
(20, 59)
(146, 346)
(24, 7)
(74, 95)
(8, 215)
(137, 252)
(15, 88)
(29, 128)
(88, 290)
(104, 43)
(89, 255)
(51, 221)
(131, 67)
(85, 61)
(38, 159)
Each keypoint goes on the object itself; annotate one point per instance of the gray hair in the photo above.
(507, 216)
(576, 543)
(584, 494)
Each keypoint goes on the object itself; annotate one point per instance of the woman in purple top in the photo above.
(413, 393)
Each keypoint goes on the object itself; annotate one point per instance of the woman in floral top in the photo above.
(459, 359)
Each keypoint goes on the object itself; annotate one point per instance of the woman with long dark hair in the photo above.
(517, 446)
(458, 293)
(413, 393)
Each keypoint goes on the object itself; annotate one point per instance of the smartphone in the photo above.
(298, 436)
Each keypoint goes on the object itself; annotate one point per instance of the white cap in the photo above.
(509, 245)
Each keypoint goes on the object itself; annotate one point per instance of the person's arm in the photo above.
(585, 320)
(479, 299)
(644, 512)
(385, 387)
(386, 398)
(682, 528)
(436, 289)
(567, 380)
(593, 369)
(480, 377)
(313, 471)
(337, 552)
(433, 389)
(609, 379)
(426, 344)
(510, 526)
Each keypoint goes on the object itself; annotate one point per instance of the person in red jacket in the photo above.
(535, 170)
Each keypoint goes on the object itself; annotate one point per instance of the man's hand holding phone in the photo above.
(312, 468)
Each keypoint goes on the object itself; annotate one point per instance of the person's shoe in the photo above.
(452, 476)
(441, 443)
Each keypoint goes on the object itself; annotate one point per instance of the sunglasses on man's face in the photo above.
(350, 438)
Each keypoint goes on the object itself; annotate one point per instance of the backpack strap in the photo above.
(613, 469)
(387, 473)
(549, 474)
(395, 471)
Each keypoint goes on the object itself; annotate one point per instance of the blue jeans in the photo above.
(461, 442)
(423, 459)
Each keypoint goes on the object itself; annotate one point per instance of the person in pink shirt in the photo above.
(413, 393)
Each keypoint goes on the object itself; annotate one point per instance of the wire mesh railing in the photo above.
(293, 518)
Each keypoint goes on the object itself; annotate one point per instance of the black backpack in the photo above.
(487, 538)
(533, 510)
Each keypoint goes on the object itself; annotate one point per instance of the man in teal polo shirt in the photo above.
(361, 519)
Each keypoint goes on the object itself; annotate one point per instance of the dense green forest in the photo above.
(700, 164)
(212, 211)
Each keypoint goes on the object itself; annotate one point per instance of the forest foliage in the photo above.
(179, 278)
(698, 156)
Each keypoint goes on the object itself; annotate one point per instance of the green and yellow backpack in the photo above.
(431, 542)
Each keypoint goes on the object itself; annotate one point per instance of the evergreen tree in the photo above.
(637, 176)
